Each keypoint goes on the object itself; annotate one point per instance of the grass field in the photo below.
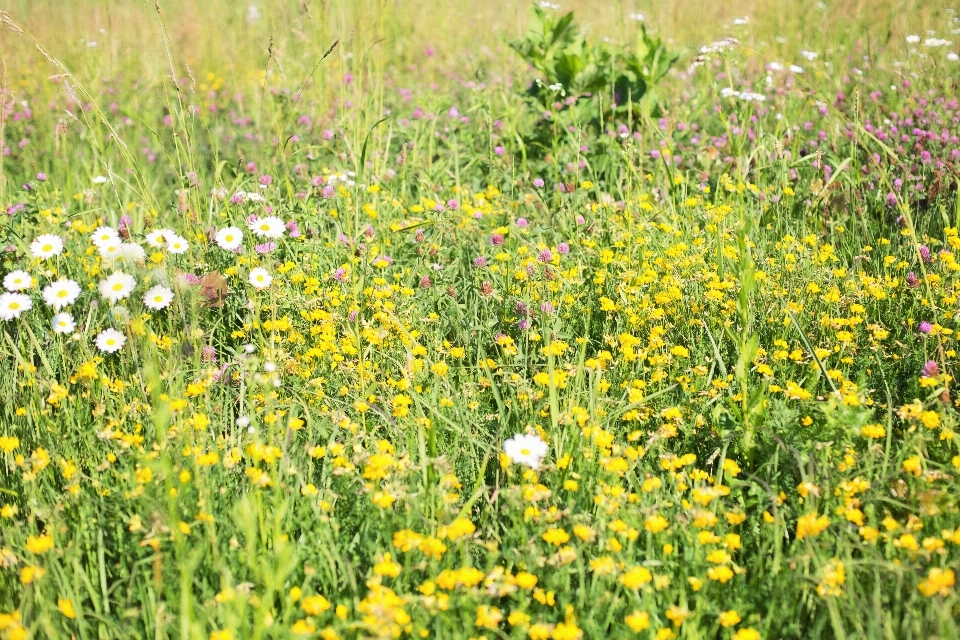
(344, 319)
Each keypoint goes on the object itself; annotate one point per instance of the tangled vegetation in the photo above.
(574, 339)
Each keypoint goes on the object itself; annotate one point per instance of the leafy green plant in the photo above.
(595, 82)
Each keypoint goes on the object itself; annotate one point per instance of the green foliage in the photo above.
(590, 83)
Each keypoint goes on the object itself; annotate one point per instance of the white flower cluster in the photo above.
(708, 51)
(746, 96)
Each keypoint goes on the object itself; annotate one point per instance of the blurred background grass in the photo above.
(109, 37)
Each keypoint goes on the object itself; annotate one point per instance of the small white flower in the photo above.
(104, 234)
(739, 22)
(63, 323)
(13, 304)
(796, 69)
(111, 341)
(913, 39)
(158, 238)
(260, 278)
(775, 66)
(177, 244)
(229, 238)
(99, 179)
(117, 286)
(46, 246)
(158, 297)
(935, 42)
(809, 55)
(729, 92)
(268, 227)
(243, 421)
(61, 293)
(133, 252)
(525, 449)
(109, 250)
(17, 281)
(639, 17)
(953, 57)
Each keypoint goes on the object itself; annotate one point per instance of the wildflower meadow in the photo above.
(386, 319)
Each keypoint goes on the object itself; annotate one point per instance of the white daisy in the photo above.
(269, 227)
(46, 246)
(63, 323)
(229, 238)
(13, 304)
(133, 252)
(260, 278)
(158, 297)
(17, 281)
(177, 244)
(110, 340)
(109, 250)
(158, 238)
(117, 286)
(61, 293)
(525, 449)
(104, 234)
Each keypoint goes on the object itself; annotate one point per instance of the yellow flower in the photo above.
(488, 617)
(525, 580)
(556, 537)
(636, 577)
(810, 525)
(457, 529)
(638, 621)
(224, 634)
(721, 574)
(387, 567)
(912, 465)
(937, 581)
(65, 606)
(39, 544)
(314, 605)
(729, 618)
(747, 633)
(655, 524)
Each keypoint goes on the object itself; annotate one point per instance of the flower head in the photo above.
(46, 246)
(268, 227)
(229, 238)
(260, 278)
(61, 293)
(63, 323)
(17, 281)
(525, 449)
(110, 341)
(117, 286)
(13, 304)
(158, 297)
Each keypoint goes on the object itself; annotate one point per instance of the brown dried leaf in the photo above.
(213, 289)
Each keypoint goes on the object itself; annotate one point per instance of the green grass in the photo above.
(740, 362)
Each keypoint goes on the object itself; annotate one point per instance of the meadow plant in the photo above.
(305, 339)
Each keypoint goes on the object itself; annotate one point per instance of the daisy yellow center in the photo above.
(14, 305)
(525, 452)
(118, 286)
(229, 238)
(62, 293)
(264, 227)
(48, 247)
(111, 342)
(158, 299)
